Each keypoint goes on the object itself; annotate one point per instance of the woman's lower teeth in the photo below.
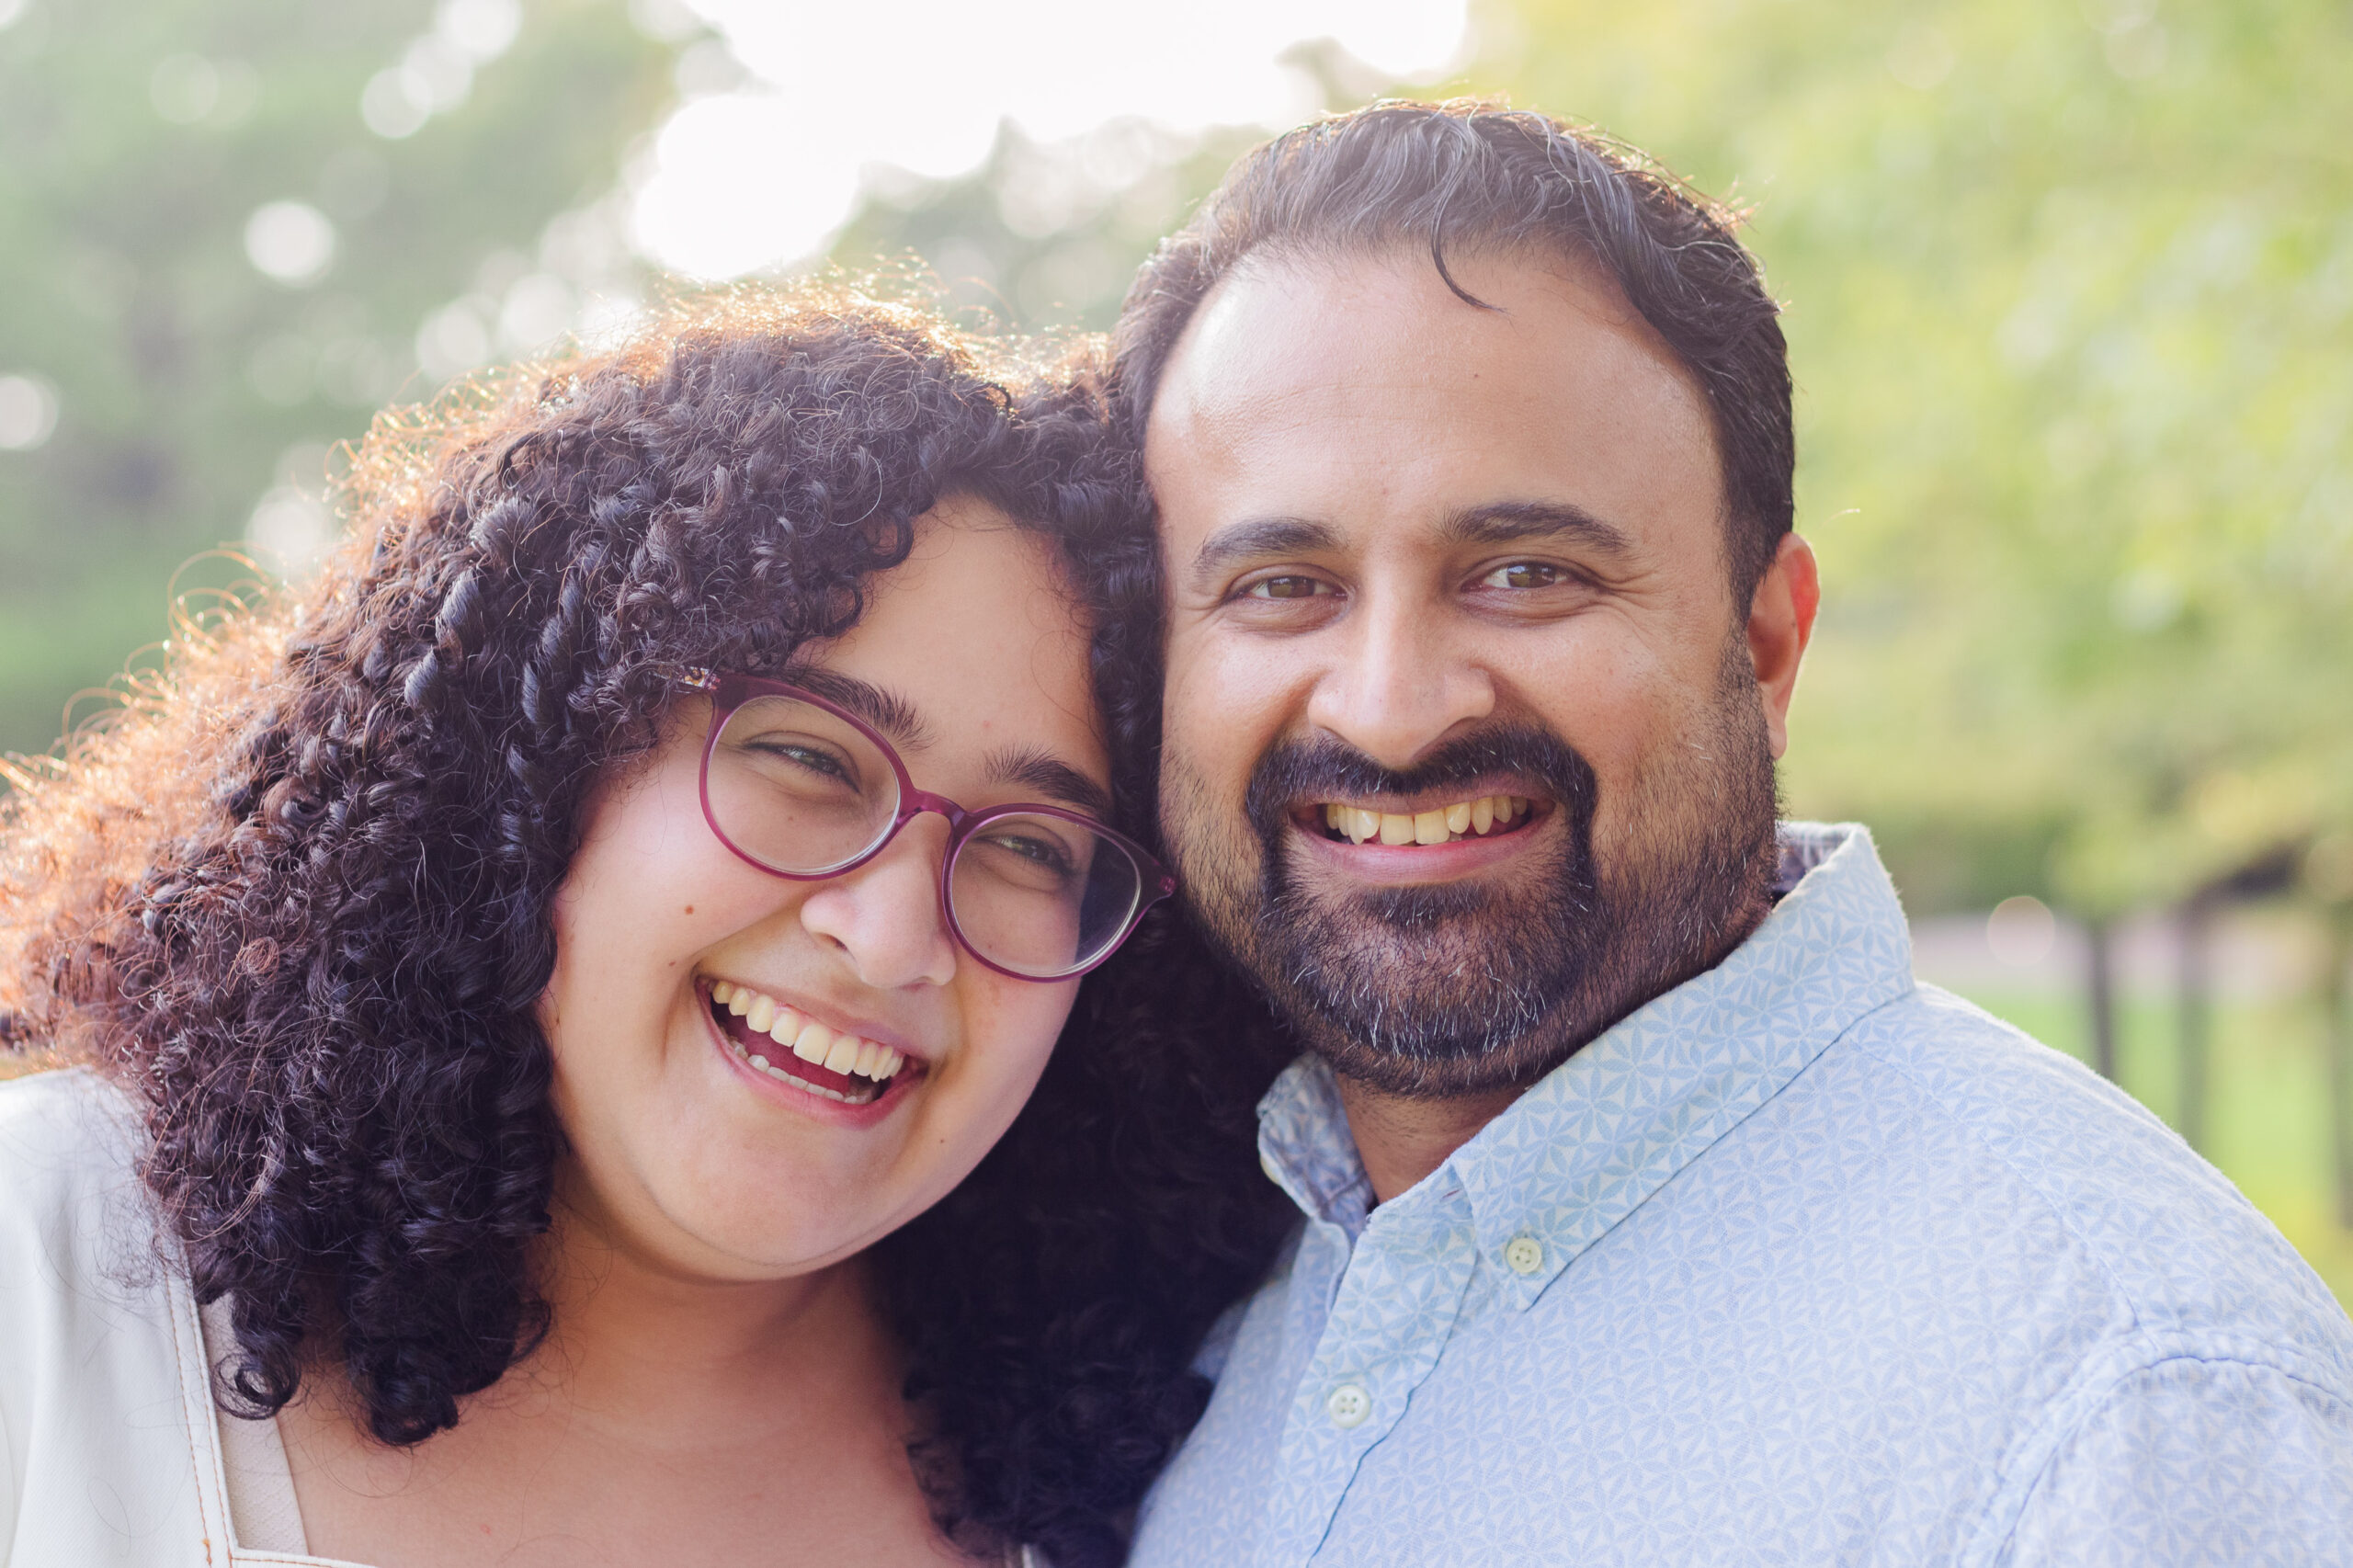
(777, 1070)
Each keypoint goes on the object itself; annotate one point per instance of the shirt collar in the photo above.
(1305, 1148)
(1605, 1129)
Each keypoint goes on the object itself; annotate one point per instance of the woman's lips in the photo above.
(778, 1039)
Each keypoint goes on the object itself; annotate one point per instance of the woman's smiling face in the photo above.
(684, 1151)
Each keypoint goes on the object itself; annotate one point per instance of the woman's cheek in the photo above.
(1021, 1023)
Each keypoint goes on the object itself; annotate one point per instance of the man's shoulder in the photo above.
(2018, 1125)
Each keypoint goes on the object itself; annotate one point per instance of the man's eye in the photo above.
(1525, 574)
(1286, 588)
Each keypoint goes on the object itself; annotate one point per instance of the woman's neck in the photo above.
(630, 1333)
(666, 1417)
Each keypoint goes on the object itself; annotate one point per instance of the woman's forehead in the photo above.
(975, 643)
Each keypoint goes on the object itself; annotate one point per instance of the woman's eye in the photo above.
(1034, 847)
(817, 761)
(1525, 574)
(1286, 588)
(814, 759)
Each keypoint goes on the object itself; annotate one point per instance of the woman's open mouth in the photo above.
(791, 1048)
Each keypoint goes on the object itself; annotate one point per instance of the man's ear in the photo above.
(1780, 624)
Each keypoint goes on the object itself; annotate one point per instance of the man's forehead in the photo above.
(1328, 376)
(1290, 315)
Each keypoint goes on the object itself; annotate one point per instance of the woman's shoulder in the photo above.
(80, 1259)
(68, 1142)
(63, 1125)
(100, 1348)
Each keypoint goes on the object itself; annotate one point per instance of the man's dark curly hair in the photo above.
(1469, 174)
(296, 898)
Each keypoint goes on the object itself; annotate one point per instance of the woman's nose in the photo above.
(885, 916)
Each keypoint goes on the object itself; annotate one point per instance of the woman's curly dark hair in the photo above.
(297, 896)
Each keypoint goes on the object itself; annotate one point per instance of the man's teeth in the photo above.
(809, 1040)
(1464, 819)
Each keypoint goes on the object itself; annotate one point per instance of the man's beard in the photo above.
(1480, 985)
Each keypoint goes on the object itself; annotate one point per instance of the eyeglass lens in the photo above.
(801, 790)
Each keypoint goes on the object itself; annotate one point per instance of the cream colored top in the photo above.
(112, 1451)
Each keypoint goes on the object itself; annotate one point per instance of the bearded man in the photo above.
(1653, 1213)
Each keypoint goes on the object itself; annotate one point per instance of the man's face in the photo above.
(1465, 749)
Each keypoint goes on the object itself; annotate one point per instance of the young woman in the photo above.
(538, 985)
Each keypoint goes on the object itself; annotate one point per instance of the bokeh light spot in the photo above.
(2021, 931)
(292, 241)
(27, 412)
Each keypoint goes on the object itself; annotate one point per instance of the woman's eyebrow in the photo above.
(1040, 771)
(883, 708)
(1033, 768)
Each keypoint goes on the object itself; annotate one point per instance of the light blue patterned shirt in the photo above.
(1801, 1263)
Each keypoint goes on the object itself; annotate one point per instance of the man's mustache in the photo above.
(1325, 768)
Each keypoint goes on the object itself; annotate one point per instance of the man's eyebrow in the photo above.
(1517, 522)
(1043, 773)
(1255, 539)
(884, 710)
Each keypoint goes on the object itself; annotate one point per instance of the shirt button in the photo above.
(1524, 1254)
(1348, 1405)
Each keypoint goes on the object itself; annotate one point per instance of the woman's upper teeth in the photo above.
(1464, 819)
(808, 1040)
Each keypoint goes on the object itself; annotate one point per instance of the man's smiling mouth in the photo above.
(787, 1046)
(1485, 816)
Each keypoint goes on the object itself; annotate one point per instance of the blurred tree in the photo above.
(2328, 877)
(224, 232)
(1042, 237)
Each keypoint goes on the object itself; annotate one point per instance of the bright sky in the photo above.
(761, 170)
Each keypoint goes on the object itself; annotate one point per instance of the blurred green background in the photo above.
(2070, 295)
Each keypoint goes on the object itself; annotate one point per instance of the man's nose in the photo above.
(1400, 682)
(884, 918)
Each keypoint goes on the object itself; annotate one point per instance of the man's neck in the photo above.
(1401, 1139)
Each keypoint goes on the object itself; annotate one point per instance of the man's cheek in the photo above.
(1226, 699)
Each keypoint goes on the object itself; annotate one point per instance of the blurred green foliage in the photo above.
(2071, 308)
(137, 138)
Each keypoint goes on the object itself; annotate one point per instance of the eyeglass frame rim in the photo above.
(729, 691)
